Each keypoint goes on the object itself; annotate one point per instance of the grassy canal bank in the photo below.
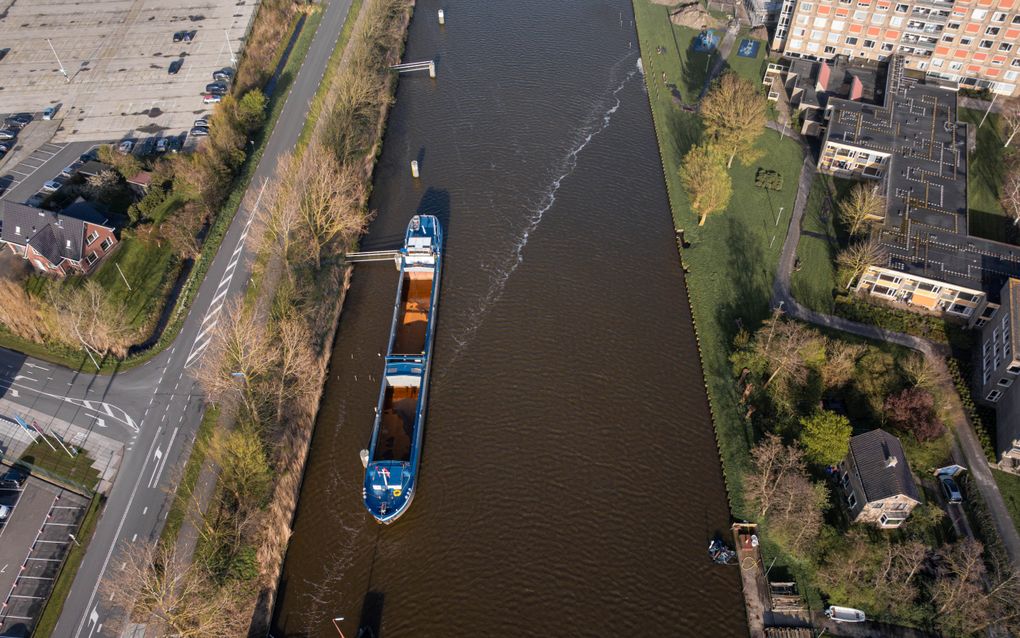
(731, 260)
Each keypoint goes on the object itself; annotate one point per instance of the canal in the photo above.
(570, 480)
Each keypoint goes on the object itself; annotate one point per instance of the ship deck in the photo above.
(397, 424)
(415, 302)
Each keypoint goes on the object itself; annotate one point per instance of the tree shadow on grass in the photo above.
(685, 132)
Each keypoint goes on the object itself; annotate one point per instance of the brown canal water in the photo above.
(570, 481)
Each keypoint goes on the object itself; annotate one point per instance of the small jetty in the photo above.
(752, 576)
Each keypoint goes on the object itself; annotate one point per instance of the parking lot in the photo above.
(34, 539)
(116, 56)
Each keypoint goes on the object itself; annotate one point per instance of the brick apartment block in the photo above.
(973, 43)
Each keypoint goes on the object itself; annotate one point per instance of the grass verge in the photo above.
(1009, 486)
(731, 260)
(986, 167)
(58, 465)
(149, 269)
(182, 499)
(62, 586)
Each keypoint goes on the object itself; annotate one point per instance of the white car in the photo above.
(51, 186)
(209, 98)
(126, 146)
(4, 512)
(70, 170)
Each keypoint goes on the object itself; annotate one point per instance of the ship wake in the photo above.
(596, 122)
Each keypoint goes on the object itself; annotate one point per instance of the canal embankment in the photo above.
(569, 440)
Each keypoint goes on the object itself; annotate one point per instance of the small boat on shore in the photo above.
(845, 614)
(395, 450)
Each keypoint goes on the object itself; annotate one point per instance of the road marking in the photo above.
(210, 327)
(32, 365)
(124, 417)
(158, 455)
(145, 510)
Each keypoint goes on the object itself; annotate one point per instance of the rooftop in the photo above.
(882, 467)
(925, 232)
(837, 78)
(54, 235)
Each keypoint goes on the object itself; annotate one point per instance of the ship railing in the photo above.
(405, 358)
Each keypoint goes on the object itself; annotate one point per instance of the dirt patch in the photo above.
(694, 16)
(759, 33)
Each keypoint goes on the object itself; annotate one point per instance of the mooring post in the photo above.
(432, 69)
(414, 168)
(442, 17)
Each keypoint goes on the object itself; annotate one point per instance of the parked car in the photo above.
(8, 134)
(14, 477)
(225, 73)
(216, 88)
(35, 201)
(51, 186)
(199, 131)
(89, 156)
(70, 170)
(49, 112)
(14, 123)
(209, 98)
(175, 66)
(202, 122)
(188, 36)
(24, 118)
(162, 144)
(179, 35)
(4, 512)
(950, 490)
(126, 146)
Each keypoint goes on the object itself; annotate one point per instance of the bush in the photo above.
(769, 180)
(855, 309)
(972, 412)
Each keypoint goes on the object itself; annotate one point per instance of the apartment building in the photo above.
(910, 142)
(968, 43)
(998, 373)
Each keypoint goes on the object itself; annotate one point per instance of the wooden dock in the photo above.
(752, 576)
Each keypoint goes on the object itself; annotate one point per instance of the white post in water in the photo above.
(414, 168)
(432, 69)
(442, 17)
(364, 458)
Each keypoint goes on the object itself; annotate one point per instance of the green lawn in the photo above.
(182, 498)
(1009, 485)
(683, 67)
(813, 282)
(749, 68)
(148, 268)
(986, 166)
(732, 259)
(62, 586)
(56, 464)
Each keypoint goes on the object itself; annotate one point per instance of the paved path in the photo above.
(723, 52)
(967, 440)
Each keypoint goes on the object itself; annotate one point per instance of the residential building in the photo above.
(999, 372)
(72, 241)
(807, 85)
(910, 142)
(763, 12)
(968, 43)
(876, 482)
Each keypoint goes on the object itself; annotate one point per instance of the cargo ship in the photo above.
(394, 454)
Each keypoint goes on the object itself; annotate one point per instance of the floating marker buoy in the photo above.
(414, 168)
(442, 17)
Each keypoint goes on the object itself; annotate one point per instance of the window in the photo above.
(897, 507)
(1011, 75)
(106, 244)
(902, 8)
(93, 236)
(816, 35)
(851, 41)
(851, 500)
(886, 521)
(833, 38)
(807, 7)
(1014, 368)
(985, 44)
(845, 479)
(1005, 46)
(965, 41)
(1005, 382)
(953, 25)
(1015, 63)
(999, 16)
(859, 16)
(837, 25)
(993, 396)
(877, 18)
(948, 38)
(1016, 19)
(92, 258)
(819, 22)
(17, 230)
(887, 46)
(992, 31)
(830, 50)
(956, 66)
(869, 44)
(978, 15)
(937, 63)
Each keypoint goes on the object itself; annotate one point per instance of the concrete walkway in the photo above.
(723, 51)
(973, 456)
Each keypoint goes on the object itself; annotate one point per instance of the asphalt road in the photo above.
(157, 408)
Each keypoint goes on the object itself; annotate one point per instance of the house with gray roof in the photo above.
(71, 241)
(876, 482)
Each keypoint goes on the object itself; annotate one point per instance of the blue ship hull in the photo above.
(395, 451)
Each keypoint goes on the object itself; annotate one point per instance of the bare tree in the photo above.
(91, 318)
(968, 598)
(785, 346)
(240, 353)
(169, 591)
(295, 372)
(330, 202)
(28, 317)
(181, 231)
(863, 205)
(279, 216)
(858, 257)
(1009, 195)
(1011, 118)
(840, 361)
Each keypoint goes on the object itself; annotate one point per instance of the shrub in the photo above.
(769, 180)
(913, 410)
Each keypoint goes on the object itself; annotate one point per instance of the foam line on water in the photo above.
(583, 136)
